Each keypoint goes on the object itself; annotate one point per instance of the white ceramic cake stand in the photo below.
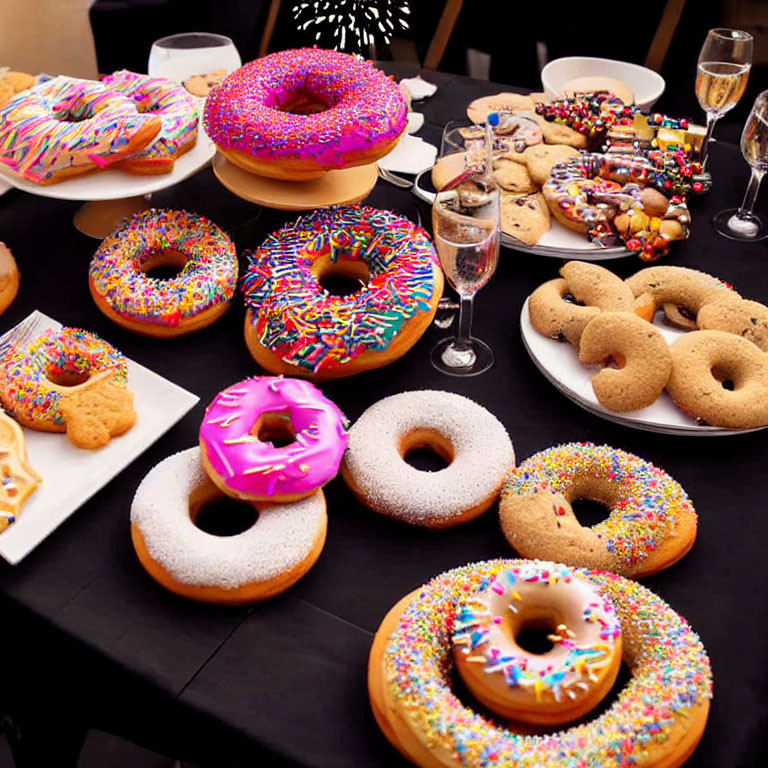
(111, 196)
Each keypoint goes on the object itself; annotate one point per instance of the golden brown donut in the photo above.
(554, 315)
(597, 286)
(748, 319)
(9, 278)
(720, 379)
(639, 350)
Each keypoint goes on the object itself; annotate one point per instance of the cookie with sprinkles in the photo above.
(657, 719)
(295, 326)
(651, 522)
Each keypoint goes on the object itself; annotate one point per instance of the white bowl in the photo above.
(646, 84)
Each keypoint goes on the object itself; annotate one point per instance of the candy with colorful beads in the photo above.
(651, 522)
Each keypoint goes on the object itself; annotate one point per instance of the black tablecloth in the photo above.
(90, 634)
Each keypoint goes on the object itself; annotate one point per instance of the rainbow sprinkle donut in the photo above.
(193, 299)
(296, 327)
(296, 114)
(657, 718)
(66, 127)
(33, 377)
(651, 522)
(176, 108)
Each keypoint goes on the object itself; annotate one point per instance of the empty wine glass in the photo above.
(743, 223)
(179, 57)
(465, 221)
(722, 74)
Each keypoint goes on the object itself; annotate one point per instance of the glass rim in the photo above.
(726, 33)
(221, 39)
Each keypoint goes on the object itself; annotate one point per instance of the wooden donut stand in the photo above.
(342, 187)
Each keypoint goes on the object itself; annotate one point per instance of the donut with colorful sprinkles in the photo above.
(34, 377)
(272, 439)
(656, 721)
(271, 555)
(295, 326)
(651, 522)
(177, 110)
(553, 686)
(299, 113)
(196, 297)
(66, 127)
(470, 438)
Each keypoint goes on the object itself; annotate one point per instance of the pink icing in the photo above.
(254, 468)
(366, 110)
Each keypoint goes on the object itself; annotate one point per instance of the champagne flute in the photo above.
(743, 223)
(722, 74)
(465, 221)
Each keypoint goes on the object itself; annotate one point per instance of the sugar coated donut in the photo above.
(656, 721)
(720, 379)
(272, 555)
(193, 299)
(35, 376)
(240, 425)
(748, 319)
(9, 277)
(596, 286)
(65, 127)
(177, 110)
(640, 351)
(682, 292)
(294, 326)
(297, 114)
(471, 439)
(651, 522)
(550, 687)
(554, 312)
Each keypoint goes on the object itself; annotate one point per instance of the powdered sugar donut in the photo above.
(472, 440)
(274, 553)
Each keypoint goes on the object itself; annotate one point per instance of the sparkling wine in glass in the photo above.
(721, 78)
(743, 223)
(465, 221)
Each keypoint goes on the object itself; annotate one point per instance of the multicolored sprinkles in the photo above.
(208, 278)
(258, 108)
(669, 666)
(27, 370)
(67, 123)
(296, 318)
(476, 631)
(648, 500)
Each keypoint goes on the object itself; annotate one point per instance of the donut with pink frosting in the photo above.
(272, 439)
(299, 113)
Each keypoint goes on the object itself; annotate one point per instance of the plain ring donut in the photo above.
(266, 559)
(465, 434)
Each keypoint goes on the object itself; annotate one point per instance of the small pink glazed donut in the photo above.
(272, 439)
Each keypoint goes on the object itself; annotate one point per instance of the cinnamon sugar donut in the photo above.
(471, 439)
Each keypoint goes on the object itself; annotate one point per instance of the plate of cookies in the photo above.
(76, 413)
(670, 349)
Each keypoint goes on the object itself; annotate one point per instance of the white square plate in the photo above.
(72, 475)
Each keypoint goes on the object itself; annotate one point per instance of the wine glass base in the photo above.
(746, 227)
(476, 358)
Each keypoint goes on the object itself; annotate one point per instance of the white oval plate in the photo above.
(559, 362)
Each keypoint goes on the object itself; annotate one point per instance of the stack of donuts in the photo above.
(717, 373)
(268, 442)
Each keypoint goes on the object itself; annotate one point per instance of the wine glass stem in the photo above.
(464, 330)
(751, 194)
(712, 118)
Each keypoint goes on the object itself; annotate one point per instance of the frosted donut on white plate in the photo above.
(472, 440)
(262, 561)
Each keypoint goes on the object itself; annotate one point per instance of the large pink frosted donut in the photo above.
(296, 114)
(247, 467)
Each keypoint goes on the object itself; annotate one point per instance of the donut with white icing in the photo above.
(548, 688)
(473, 442)
(242, 425)
(262, 561)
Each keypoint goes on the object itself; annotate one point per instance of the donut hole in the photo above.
(300, 102)
(342, 277)
(532, 634)
(592, 500)
(569, 298)
(589, 512)
(426, 450)
(616, 361)
(725, 377)
(274, 427)
(163, 265)
(67, 374)
(219, 515)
